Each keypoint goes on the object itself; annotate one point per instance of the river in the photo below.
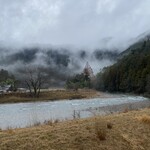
(21, 115)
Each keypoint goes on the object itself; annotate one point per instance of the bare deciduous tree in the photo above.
(34, 80)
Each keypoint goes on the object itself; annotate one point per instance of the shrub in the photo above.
(49, 122)
(37, 123)
(100, 129)
(109, 125)
(56, 121)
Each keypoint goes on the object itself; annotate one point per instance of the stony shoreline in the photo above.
(106, 110)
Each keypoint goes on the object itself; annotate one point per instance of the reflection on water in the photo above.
(26, 114)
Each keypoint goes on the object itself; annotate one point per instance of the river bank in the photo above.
(49, 95)
(127, 131)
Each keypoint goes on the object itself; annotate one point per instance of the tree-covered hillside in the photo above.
(130, 74)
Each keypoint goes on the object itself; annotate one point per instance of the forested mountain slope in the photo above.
(131, 73)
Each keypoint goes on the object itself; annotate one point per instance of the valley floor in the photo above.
(124, 131)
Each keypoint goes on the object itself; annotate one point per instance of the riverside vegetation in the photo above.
(51, 95)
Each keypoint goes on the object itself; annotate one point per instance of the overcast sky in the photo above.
(79, 23)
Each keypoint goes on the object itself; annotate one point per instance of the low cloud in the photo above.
(58, 64)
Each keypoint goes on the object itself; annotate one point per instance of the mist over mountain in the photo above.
(139, 41)
(61, 63)
(58, 63)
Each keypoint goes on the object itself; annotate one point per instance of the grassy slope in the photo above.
(130, 131)
(49, 95)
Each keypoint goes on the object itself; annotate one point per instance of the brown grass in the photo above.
(47, 95)
(128, 133)
(144, 118)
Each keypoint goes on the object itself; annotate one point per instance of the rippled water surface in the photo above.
(26, 114)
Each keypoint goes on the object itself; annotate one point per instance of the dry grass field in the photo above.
(47, 95)
(124, 131)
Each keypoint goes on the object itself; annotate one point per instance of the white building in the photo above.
(5, 89)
